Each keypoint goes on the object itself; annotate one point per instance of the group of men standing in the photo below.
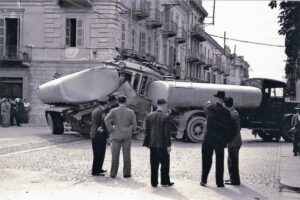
(222, 130)
(119, 123)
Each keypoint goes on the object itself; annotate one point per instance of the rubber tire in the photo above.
(193, 122)
(265, 137)
(285, 134)
(55, 123)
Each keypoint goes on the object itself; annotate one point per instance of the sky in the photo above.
(252, 21)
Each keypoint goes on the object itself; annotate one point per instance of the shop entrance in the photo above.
(11, 87)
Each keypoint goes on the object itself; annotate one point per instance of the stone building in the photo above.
(44, 39)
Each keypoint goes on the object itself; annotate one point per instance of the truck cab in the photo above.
(266, 120)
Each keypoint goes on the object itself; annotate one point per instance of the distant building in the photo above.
(43, 39)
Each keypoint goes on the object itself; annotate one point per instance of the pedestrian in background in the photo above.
(27, 108)
(158, 139)
(121, 123)
(99, 135)
(20, 111)
(5, 113)
(216, 138)
(234, 145)
(13, 112)
(296, 131)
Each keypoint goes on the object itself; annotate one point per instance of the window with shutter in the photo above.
(123, 36)
(79, 31)
(142, 42)
(149, 45)
(133, 39)
(74, 32)
(2, 37)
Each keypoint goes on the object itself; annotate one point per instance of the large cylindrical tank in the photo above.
(83, 86)
(189, 94)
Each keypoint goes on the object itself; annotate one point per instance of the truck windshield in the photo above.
(276, 92)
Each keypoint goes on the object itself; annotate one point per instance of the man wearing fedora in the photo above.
(218, 127)
(296, 130)
(99, 135)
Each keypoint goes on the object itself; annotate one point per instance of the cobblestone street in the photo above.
(35, 163)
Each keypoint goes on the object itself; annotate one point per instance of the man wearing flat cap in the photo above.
(99, 135)
(158, 140)
(215, 140)
(296, 130)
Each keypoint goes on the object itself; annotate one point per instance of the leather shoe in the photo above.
(102, 171)
(203, 184)
(227, 181)
(221, 185)
(98, 174)
(168, 184)
(230, 183)
(127, 176)
(153, 185)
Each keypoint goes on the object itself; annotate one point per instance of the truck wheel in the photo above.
(55, 123)
(195, 129)
(266, 136)
(286, 135)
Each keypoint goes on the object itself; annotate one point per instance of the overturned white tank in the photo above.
(83, 86)
(189, 94)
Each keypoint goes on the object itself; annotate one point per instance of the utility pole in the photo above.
(224, 42)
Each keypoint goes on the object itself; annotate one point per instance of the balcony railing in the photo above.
(13, 53)
(155, 19)
(169, 28)
(198, 33)
(181, 37)
(227, 72)
(193, 56)
(140, 9)
(75, 3)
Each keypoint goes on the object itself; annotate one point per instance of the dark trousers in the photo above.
(207, 154)
(296, 146)
(99, 148)
(233, 164)
(162, 157)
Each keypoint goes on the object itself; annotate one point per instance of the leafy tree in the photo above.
(289, 20)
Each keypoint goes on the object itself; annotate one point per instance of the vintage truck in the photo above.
(260, 102)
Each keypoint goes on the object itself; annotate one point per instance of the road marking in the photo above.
(38, 149)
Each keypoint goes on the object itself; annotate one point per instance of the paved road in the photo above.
(35, 163)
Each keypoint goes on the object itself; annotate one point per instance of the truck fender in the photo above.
(57, 109)
(183, 120)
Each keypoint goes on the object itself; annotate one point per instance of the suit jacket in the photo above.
(121, 122)
(218, 125)
(237, 139)
(157, 130)
(98, 120)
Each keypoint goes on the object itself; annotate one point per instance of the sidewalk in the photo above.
(289, 168)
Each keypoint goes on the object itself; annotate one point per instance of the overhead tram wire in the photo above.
(245, 41)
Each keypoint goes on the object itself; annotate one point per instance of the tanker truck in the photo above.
(72, 98)
(260, 103)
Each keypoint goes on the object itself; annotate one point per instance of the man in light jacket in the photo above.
(121, 123)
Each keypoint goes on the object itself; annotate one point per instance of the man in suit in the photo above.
(296, 125)
(158, 139)
(216, 138)
(99, 135)
(121, 123)
(234, 145)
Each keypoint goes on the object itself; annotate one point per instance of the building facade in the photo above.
(44, 39)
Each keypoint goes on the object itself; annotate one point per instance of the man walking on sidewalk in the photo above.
(296, 127)
(121, 123)
(158, 139)
(99, 136)
(234, 146)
